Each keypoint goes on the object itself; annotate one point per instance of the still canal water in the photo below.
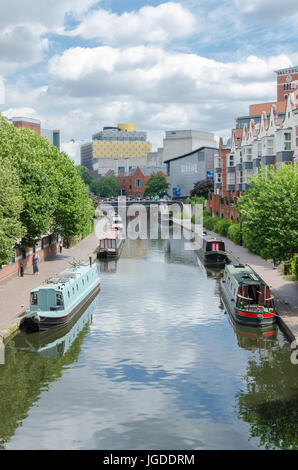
(153, 363)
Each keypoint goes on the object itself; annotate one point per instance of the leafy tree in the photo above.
(156, 185)
(202, 188)
(85, 175)
(74, 210)
(106, 186)
(268, 211)
(34, 161)
(54, 195)
(11, 205)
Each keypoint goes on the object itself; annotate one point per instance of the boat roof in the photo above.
(70, 275)
(210, 238)
(112, 234)
(244, 274)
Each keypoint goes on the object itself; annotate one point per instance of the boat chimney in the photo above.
(90, 260)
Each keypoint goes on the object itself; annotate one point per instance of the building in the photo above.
(45, 248)
(182, 142)
(271, 141)
(53, 136)
(184, 171)
(133, 184)
(120, 142)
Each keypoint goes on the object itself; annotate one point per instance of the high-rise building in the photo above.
(182, 142)
(120, 142)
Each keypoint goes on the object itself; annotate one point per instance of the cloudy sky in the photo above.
(189, 64)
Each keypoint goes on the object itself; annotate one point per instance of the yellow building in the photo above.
(118, 142)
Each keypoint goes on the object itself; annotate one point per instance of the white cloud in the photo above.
(72, 149)
(148, 25)
(267, 9)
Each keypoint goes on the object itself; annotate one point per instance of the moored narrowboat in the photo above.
(247, 296)
(212, 251)
(110, 245)
(56, 301)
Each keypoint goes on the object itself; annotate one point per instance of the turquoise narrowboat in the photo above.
(56, 301)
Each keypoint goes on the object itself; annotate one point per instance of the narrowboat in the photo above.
(110, 245)
(56, 341)
(246, 296)
(213, 251)
(58, 299)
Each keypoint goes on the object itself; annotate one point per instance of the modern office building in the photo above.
(182, 142)
(53, 136)
(184, 171)
(120, 142)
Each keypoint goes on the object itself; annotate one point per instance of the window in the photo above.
(68, 293)
(287, 141)
(34, 298)
(59, 299)
(138, 183)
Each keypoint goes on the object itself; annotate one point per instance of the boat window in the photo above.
(77, 287)
(87, 279)
(59, 299)
(83, 281)
(34, 298)
(68, 294)
(73, 291)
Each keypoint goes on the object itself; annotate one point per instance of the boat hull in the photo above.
(108, 254)
(259, 319)
(45, 322)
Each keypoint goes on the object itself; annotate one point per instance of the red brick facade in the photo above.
(29, 125)
(133, 185)
(46, 247)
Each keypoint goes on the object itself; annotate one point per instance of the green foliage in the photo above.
(210, 222)
(269, 213)
(294, 266)
(84, 174)
(222, 226)
(106, 186)
(234, 233)
(202, 188)
(52, 192)
(193, 200)
(11, 205)
(156, 186)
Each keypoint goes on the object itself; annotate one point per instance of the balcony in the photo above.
(248, 165)
(284, 156)
(230, 169)
(267, 160)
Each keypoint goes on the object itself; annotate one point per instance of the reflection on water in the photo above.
(160, 366)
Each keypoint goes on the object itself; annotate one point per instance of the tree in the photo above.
(106, 186)
(156, 186)
(268, 211)
(11, 205)
(54, 195)
(84, 174)
(202, 188)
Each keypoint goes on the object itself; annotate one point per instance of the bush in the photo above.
(210, 222)
(294, 266)
(234, 233)
(222, 226)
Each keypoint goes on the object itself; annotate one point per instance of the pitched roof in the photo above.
(190, 153)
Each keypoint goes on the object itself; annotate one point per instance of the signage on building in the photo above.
(190, 168)
(210, 175)
(176, 192)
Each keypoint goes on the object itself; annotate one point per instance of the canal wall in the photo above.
(284, 291)
(14, 294)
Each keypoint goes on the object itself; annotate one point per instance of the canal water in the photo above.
(153, 363)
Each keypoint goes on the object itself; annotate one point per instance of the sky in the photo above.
(189, 64)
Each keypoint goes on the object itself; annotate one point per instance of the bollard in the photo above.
(90, 260)
(2, 352)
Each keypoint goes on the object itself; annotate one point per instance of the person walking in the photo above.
(60, 245)
(35, 263)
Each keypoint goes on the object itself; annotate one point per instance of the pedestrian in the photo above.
(60, 246)
(35, 263)
(21, 269)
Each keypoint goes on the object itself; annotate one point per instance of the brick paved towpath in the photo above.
(14, 294)
(284, 291)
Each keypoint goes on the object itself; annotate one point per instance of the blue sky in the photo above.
(188, 64)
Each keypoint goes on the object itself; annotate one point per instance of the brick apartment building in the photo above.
(133, 184)
(268, 136)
